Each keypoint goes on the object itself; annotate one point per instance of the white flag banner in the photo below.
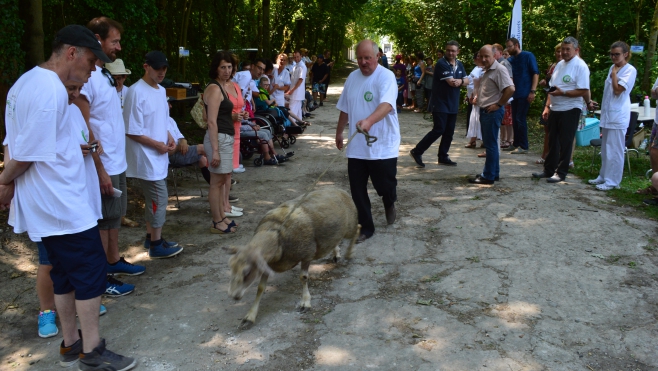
(516, 24)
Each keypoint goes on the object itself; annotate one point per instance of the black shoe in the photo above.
(651, 201)
(480, 180)
(447, 162)
(362, 238)
(496, 179)
(417, 158)
(391, 214)
(555, 179)
(540, 175)
(321, 104)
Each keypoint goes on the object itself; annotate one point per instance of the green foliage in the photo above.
(11, 28)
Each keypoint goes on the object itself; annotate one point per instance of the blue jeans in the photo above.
(519, 113)
(490, 125)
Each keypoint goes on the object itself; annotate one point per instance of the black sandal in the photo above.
(216, 230)
(231, 224)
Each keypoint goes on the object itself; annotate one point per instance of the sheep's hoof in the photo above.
(336, 259)
(245, 324)
(304, 309)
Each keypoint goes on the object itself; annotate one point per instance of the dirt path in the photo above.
(522, 275)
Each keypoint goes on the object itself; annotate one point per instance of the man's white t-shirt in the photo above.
(361, 96)
(246, 83)
(50, 197)
(174, 131)
(298, 72)
(146, 112)
(93, 185)
(568, 76)
(281, 79)
(616, 109)
(122, 94)
(106, 121)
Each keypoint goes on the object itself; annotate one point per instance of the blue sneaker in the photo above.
(47, 326)
(147, 242)
(114, 287)
(163, 251)
(123, 268)
(103, 310)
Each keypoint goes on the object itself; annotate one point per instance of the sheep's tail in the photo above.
(348, 255)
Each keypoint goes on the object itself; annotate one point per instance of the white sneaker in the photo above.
(235, 208)
(239, 169)
(596, 181)
(603, 187)
(233, 214)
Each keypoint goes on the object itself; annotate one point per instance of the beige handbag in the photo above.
(197, 113)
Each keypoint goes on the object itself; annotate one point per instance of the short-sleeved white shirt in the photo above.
(298, 72)
(174, 131)
(361, 96)
(281, 79)
(106, 121)
(50, 197)
(568, 76)
(475, 74)
(122, 94)
(146, 112)
(246, 83)
(93, 185)
(616, 109)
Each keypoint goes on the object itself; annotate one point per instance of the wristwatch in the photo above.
(533, 91)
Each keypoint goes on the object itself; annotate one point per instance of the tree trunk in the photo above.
(182, 40)
(267, 48)
(31, 11)
(579, 23)
(646, 84)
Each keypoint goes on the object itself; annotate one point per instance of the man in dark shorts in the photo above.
(320, 75)
(449, 77)
(45, 181)
(330, 63)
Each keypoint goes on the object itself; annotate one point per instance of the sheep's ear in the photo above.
(231, 250)
(263, 267)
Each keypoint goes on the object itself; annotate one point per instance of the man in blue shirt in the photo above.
(449, 77)
(526, 75)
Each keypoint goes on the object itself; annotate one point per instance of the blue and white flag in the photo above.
(516, 24)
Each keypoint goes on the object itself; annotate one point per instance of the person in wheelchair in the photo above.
(264, 104)
(252, 132)
(184, 154)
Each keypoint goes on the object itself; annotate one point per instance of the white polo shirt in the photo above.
(146, 112)
(281, 79)
(106, 121)
(568, 76)
(361, 96)
(616, 109)
(298, 72)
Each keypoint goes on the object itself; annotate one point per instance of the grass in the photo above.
(625, 196)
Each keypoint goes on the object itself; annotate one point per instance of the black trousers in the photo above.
(562, 126)
(382, 174)
(444, 127)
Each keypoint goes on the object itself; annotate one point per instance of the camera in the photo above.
(93, 147)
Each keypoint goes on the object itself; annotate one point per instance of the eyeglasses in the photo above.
(613, 55)
(109, 76)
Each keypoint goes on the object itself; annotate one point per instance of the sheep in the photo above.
(314, 229)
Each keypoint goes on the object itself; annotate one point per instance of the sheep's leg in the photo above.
(336, 253)
(305, 304)
(348, 255)
(250, 319)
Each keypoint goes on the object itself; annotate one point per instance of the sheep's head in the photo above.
(246, 266)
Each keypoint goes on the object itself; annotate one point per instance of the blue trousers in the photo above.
(490, 125)
(519, 123)
(444, 127)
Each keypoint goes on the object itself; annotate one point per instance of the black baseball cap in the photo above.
(156, 59)
(81, 36)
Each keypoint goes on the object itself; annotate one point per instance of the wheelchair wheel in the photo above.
(247, 154)
(258, 161)
(293, 140)
(285, 143)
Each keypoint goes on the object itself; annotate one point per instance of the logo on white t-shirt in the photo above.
(368, 96)
(566, 78)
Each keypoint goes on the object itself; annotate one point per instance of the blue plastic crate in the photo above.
(589, 132)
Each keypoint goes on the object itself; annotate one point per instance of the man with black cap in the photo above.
(101, 108)
(146, 116)
(319, 75)
(45, 181)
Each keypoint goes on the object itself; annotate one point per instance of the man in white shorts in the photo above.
(45, 181)
(146, 114)
(298, 82)
(101, 107)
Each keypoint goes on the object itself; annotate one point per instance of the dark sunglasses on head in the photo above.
(109, 76)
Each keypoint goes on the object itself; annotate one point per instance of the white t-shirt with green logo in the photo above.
(361, 96)
(567, 76)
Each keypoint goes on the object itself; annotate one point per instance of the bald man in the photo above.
(495, 89)
(368, 101)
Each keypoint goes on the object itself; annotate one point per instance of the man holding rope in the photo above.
(368, 101)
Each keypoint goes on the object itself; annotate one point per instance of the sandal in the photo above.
(505, 144)
(483, 154)
(215, 230)
(231, 224)
(128, 223)
(470, 145)
(540, 161)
